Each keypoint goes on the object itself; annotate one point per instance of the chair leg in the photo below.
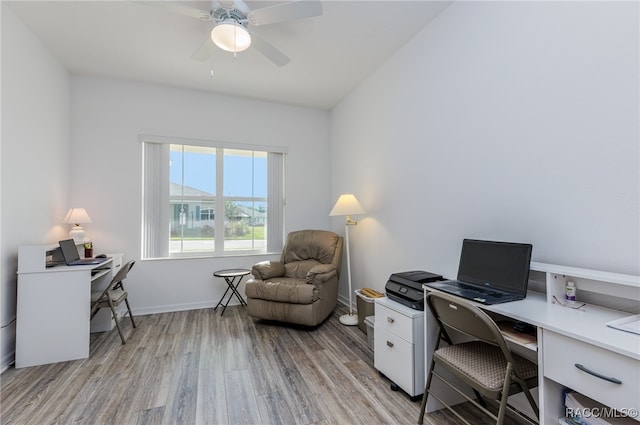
(115, 318)
(425, 396)
(505, 395)
(532, 402)
(480, 398)
(126, 300)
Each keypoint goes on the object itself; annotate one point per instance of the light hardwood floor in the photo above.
(196, 367)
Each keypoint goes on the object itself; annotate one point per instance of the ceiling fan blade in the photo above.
(205, 51)
(179, 8)
(268, 50)
(285, 12)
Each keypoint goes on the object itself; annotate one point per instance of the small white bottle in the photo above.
(570, 293)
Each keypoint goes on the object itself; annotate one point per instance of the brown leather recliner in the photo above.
(302, 287)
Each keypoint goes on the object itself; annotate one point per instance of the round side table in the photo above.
(232, 277)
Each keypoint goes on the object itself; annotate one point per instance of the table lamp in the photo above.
(77, 216)
(347, 204)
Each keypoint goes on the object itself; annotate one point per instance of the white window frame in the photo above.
(156, 200)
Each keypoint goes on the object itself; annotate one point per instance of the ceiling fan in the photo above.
(232, 19)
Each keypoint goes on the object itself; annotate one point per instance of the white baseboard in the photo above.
(345, 302)
(170, 308)
(7, 360)
(8, 344)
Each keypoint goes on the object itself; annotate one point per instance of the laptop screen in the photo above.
(497, 265)
(69, 250)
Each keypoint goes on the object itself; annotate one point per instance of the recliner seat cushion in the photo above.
(282, 289)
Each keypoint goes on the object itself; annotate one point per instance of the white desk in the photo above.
(567, 336)
(53, 307)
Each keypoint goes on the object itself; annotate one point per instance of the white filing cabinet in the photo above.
(399, 345)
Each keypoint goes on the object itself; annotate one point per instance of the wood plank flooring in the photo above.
(196, 367)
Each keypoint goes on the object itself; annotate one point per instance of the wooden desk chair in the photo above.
(113, 296)
(486, 364)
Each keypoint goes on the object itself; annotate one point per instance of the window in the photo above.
(206, 198)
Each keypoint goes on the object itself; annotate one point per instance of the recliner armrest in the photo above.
(321, 273)
(268, 269)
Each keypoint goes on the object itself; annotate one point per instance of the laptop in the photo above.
(71, 256)
(490, 272)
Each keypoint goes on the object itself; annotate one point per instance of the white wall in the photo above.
(508, 121)
(107, 118)
(73, 141)
(513, 121)
(35, 157)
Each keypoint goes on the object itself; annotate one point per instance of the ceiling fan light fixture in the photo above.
(229, 35)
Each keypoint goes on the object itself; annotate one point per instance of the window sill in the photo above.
(209, 256)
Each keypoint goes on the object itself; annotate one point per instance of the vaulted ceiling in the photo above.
(330, 54)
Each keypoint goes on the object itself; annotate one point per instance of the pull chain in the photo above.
(235, 40)
(211, 63)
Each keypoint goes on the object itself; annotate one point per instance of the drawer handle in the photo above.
(390, 344)
(597, 375)
(390, 319)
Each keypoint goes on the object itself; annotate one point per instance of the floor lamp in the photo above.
(347, 204)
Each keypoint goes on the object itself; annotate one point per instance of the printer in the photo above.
(406, 287)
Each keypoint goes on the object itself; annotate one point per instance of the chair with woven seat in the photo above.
(486, 364)
(112, 296)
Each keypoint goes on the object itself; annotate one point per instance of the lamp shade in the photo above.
(77, 216)
(347, 204)
(231, 36)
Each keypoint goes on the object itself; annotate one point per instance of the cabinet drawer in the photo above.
(117, 263)
(394, 322)
(561, 354)
(394, 358)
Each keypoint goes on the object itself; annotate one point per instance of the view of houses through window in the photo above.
(218, 199)
(204, 198)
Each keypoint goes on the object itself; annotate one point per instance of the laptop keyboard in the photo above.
(468, 287)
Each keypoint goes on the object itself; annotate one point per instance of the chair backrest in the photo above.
(311, 247)
(122, 273)
(465, 317)
(117, 279)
